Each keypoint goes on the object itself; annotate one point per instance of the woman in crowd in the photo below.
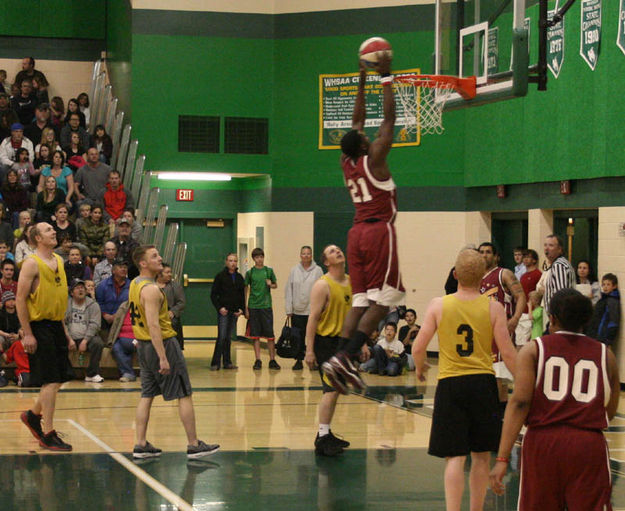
(94, 234)
(587, 282)
(83, 104)
(57, 112)
(24, 248)
(62, 225)
(40, 89)
(103, 143)
(48, 137)
(63, 176)
(73, 150)
(15, 197)
(74, 108)
(48, 199)
(44, 157)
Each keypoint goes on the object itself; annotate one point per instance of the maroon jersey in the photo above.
(493, 287)
(372, 198)
(572, 386)
(529, 280)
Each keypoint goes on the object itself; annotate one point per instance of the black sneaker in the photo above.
(258, 364)
(344, 444)
(33, 423)
(273, 364)
(53, 442)
(326, 446)
(201, 449)
(341, 365)
(147, 451)
(298, 366)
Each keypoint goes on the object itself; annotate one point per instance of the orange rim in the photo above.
(463, 86)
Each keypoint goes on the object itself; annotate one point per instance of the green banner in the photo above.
(493, 50)
(555, 45)
(337, 94)
(620, 37)
(590, 32)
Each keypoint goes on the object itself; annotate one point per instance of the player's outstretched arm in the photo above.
(381, 146)
(615, 385)
(502, 336)
(428, 329)
(360, 110)
(318, 299)
(516, 413)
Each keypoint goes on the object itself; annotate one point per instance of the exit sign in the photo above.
(184, 195)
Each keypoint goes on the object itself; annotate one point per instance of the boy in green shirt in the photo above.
(259, 281)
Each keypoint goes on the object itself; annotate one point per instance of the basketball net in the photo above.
(423, 99)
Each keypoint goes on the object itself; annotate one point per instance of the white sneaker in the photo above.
(94, 379)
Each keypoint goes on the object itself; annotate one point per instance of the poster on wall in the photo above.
(555, 45)
(590, 32)
(337, 94)
(620, 36)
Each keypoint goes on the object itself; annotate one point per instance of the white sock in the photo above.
(324, 429)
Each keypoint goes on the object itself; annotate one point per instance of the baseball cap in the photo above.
(123, 220)
(75, 283)
(7, 295)
(119, 262)
(17, 126)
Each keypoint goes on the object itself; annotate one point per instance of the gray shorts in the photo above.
(172, 386)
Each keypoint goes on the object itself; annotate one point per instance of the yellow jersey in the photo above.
(332, 317)
(137, 312)
(49, 301)
(465, 337)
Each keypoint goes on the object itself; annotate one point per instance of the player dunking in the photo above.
(371, 242)
(41, 302)
(565, 385)
(163, 367)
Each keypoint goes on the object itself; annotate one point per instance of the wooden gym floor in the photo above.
(265, 422)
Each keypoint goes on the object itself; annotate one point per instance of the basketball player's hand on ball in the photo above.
(164, 364)
(496, 477)
(30, 343)
(310, 359)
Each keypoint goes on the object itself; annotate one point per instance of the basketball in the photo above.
(368, 51)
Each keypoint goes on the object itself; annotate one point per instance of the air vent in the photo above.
(246, 135)
(198, 134)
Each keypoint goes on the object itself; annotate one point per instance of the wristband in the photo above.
(386, 79)
(502, 459)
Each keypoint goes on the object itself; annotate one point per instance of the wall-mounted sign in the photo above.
(184, 195)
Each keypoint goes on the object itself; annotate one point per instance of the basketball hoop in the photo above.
(423, 98)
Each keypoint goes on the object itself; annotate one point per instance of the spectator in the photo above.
(126, 246)
(228, 297)
(10, 146)
(409, 331)
(24, 218)
(73, 126)
(47, 137)
(297, 297)
(41, 91)
(6, 231)
(519, 268)
(57, 112)
(43, 158)
(92, 178)
(7, 116)
(82, 323)
(104, 269)
(24, 168)
(112, 292)
(4, 252)
(386, 354)
(536, 313)
(135, 229)
(529, 281)
(17, 354)
(84, 212)
(62, 225)
(15, 197)
(9, 324)
(62, 175)
(103, 143)
(34, 131)
(94, 233)
(28, 72)
(5, 87)
(560, 274)
(124, 343)
(176, 301)
(25, 102)
(587, 282)
(90, 286)
(73, 108)
(606, 316)
(115, 197)
(64, 244)
(75, 268)
(48, 199)
(83, 105)
(7, 280)
(259, 281)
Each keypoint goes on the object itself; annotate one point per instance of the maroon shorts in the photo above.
(374, 265)
(564, 468)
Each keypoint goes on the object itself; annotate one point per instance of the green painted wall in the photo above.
(119, 52)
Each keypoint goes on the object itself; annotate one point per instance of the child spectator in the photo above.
(536, 313)
(9, 324)
(17, 354)
(84, 212)
(44, 158)
(4, 252)
(48, 138)
(74, 108)
(90, 287)
(24, 248)
(94, 234)
(48, 199)
(23, 219)
(387, 353)
(75, 269)
(607, 314)
(61, 223)
(409, 331)
(15, 197)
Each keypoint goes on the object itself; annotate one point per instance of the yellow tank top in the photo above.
(49, 301)
(331, 321)
(465, 337)
(137, 312)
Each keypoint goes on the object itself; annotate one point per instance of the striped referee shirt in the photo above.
(562, 275)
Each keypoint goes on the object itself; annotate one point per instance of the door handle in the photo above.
(186, 280)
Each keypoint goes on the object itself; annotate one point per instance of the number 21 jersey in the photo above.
(373, 199)
(572, 385)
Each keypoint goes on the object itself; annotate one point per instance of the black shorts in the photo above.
(466, 416)
(174, 385)
(260, 324)
(325, 348)
(50, 362)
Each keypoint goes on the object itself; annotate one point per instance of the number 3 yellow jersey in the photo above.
(465, 337)
(137, 312)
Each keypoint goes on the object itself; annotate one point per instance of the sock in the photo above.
(355, 343)
(324, 429)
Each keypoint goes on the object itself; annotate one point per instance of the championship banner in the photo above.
(337, 95)
(590, 31)
(555, 45)
(493, 50)
(620, 37)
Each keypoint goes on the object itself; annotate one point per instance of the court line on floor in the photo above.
(141, 474)
(138, 389)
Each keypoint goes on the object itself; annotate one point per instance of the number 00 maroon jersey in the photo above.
(372, 198)
(572, 386)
